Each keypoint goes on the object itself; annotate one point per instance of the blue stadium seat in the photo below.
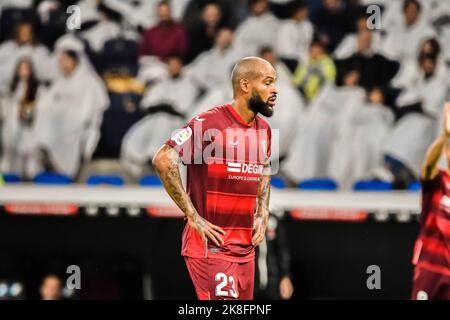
(277, 182)
(110, 180)
(52, 178)
(150, 181)
(414, 186)
(11, 178)
(372, 185)
(322, 184)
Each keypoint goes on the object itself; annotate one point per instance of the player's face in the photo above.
(264, 93)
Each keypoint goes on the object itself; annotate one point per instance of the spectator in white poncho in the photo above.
(69, 115)
(405, 37)
(295, 35)
(20, 150)
(167, 104)
(310, 151)
(212, 67)
(260, 29)
(24, 43)
(357, 150)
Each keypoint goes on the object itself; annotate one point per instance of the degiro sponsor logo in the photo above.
(244, 168)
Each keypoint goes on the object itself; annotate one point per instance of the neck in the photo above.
(242, 108)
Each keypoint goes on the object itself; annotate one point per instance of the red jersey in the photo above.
(432, 250)
(224, 158)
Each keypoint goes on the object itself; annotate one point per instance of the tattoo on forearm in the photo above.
(172, 182)
(263, 193)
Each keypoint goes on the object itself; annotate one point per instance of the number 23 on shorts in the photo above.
(222, 282)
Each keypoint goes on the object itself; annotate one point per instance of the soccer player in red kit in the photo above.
(432, 249)
(226, 202)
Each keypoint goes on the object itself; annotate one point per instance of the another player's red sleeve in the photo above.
(429, 188)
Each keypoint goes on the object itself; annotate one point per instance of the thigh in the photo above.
(246, 280)
(430, 285)
(216, 279)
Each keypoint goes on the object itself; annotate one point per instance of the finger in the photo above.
(216, 235)
(217, 228)
(212, 238)
(257, 238)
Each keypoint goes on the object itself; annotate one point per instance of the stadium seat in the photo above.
(52, 178)
(96, 180)
(150, 181)
(11, 178)
(372, 185)
(277, 182)
(322, 184)
(414, 186)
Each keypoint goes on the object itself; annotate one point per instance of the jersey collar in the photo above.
(238, 116)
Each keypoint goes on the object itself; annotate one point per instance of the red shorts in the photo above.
(430, 285)
(216, 279)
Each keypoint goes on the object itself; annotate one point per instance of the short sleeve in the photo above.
(187, 141)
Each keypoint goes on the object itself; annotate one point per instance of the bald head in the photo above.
(253, 80)
(250, 69)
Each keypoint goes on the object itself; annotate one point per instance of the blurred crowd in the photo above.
(360, 95)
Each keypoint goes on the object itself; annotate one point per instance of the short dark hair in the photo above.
(429, 56)
(164, 3)
(434, 44)
(72, 54)
(296, 6)
(253, 2)
(406, 3)
(265, 49)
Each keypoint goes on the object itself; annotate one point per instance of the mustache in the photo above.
(272, 96)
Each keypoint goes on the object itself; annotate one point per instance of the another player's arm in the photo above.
(166, 163)
(262, 208)
(430, 169)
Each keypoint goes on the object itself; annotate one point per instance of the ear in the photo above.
(244, 84)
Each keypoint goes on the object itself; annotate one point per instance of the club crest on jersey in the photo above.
(182, 136)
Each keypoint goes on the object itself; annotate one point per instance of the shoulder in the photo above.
(212, 115)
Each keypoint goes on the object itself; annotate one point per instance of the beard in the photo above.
(257, 105)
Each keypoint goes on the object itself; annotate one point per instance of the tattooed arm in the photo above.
(166, 163)
(430, 169)
(262, 207)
